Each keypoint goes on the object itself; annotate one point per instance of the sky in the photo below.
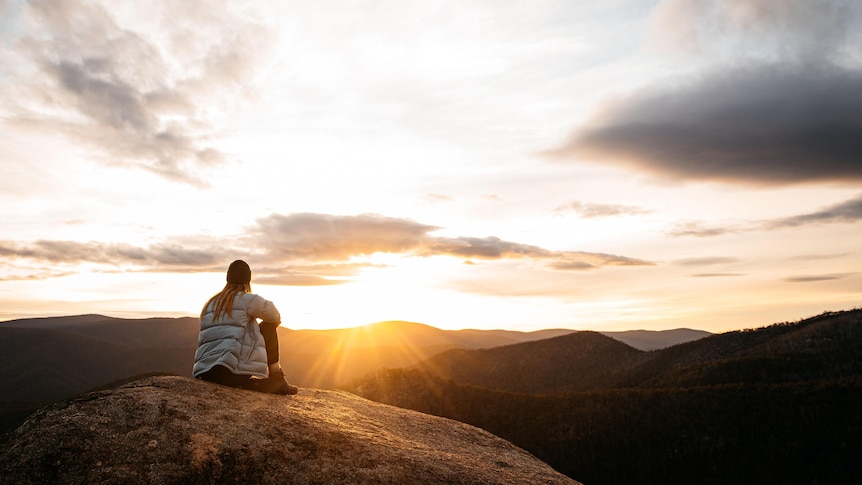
(492, 164)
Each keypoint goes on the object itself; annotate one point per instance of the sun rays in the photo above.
(347, 354)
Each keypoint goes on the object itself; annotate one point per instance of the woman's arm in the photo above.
(264, 310)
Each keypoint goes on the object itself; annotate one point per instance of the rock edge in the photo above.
(172, 429)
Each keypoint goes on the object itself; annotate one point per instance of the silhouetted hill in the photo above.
(481, 339)
(828, 346)
(43, 364)
(576, 361)
(180, 430)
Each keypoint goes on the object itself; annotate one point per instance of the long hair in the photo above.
(224, 299)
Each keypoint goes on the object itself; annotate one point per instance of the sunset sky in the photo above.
(587, 164)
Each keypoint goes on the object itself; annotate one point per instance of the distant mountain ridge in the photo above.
(56, 358)
(826, 346)
(46, 359)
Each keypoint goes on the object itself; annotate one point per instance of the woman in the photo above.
(233, 349)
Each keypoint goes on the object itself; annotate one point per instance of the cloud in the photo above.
(111, 254)
(305, 249)
(779, 103)
(698, 229)
(325, 237)
(151, 97)
(580, 260)
(705, 261)
(309, 275)
(848, 211)
(37, 274)
(570, 265)
(496, 248)
(481, 248)
(709, 261)
(322, 237)
(843, 212)
(589, 211)
(716, 275)
(816, 278)
(766, 125)
(795, 29)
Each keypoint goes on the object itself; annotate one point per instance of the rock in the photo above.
(171, 429)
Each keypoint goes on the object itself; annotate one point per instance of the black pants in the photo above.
(222, 375)
(270, 337)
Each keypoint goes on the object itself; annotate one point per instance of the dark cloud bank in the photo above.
(780, 104)
(764, 125)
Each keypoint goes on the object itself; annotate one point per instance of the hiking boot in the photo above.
(275, 384)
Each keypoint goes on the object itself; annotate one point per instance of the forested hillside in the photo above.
(577, 361)
(780, 404)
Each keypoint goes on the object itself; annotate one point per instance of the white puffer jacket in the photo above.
(234, 340)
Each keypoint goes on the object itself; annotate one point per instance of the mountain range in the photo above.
(47, 359)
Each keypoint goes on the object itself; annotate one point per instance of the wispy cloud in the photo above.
(699, 229)
(705, 261)
(759, 29)
(165, 254)
(153, 99)
(591, 210)
(716, 275)
(323, 236)
(816, 278)
(843, 212)
(305, 249)
(848, 211)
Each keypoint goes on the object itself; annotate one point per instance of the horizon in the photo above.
(5, 319)
(612, 166)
